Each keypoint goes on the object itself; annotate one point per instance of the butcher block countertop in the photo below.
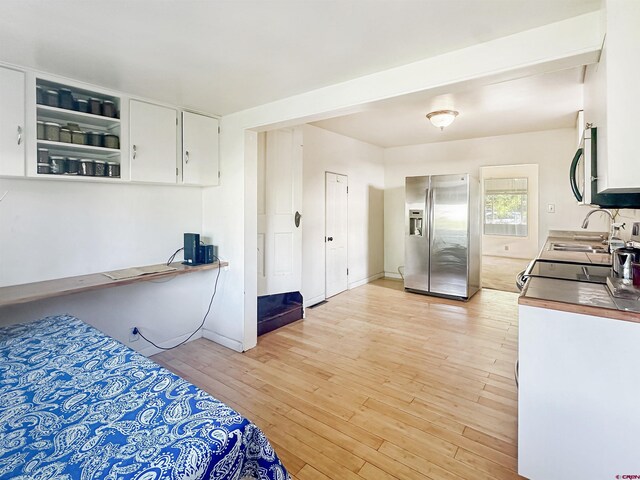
(573, 296)
(29, 292)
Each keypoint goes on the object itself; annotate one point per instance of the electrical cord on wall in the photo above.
(172, 257)
(136, 330)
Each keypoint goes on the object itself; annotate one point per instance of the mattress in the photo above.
(77, 404)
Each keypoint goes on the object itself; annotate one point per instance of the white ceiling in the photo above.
(223, 56)
(541, 102)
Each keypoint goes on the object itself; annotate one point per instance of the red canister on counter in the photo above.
(635, 272)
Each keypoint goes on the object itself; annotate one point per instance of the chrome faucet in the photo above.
(613, 241)
(585, 222)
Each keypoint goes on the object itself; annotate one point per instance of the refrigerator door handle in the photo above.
(425, 219)
(430, 229)
(430, 206)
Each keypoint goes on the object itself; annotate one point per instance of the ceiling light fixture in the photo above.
(442, 118)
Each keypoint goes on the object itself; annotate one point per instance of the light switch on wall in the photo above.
(551, 208)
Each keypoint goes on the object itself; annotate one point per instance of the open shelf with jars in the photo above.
(78, 131)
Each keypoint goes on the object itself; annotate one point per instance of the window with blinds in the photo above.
(505, 206)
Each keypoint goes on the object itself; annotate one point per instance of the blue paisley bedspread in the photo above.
(77, 404)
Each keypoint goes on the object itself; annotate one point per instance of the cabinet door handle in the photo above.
(186, 155)
(135, 151)
(19, 134)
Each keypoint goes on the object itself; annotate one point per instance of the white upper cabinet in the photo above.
(12, 122)
(199, 149)
(612, 98)
(152, 142)
(74, 126)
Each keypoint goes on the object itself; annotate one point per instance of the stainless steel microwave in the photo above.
(584, 180)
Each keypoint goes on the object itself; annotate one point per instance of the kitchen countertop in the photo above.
(572, 296)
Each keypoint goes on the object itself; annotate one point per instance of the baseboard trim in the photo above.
(312, 301)
(397, 276)
(364, 281)
(149, 350)
(222, 340)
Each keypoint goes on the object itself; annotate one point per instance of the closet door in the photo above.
(153, 143)
(336, 234)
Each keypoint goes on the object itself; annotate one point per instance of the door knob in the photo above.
(329, 239)
(297, 219)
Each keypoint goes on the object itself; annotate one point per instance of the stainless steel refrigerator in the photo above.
(442, 235)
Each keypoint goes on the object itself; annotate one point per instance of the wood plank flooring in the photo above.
(377, 384)
(499, 273)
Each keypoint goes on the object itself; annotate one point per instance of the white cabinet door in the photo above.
(11, 122)
(153, 143)
(578, 396)
(623, 96)
(199, 149)
(611, 98)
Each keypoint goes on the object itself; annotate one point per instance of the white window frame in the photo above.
(509, 245)
(506, 228)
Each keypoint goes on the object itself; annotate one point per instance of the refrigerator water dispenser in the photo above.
(415, 222)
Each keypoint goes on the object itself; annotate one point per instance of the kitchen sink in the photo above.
(576, 247)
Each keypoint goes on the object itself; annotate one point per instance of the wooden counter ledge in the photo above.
(580, 309)
(29, 292)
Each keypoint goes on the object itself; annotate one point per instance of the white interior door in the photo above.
(336, 272)
(279, 204)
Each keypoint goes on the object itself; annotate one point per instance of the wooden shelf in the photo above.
(30, 292)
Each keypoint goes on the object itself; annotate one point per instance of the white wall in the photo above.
(230, 211)
(52, 229)
(326, 151)
(552, 150)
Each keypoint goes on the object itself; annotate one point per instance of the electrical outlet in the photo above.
(506, 247)
(133, 337)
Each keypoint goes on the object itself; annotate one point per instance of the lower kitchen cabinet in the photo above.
(578, 414)
(12, 122)
(199, 149)
(153, 142)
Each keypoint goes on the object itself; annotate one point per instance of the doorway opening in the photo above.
(509, 223)
(279, 245)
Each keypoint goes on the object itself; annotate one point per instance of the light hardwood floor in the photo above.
(377, 384)
(499, 273)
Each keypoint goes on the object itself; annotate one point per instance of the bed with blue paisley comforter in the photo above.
(77, 404)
